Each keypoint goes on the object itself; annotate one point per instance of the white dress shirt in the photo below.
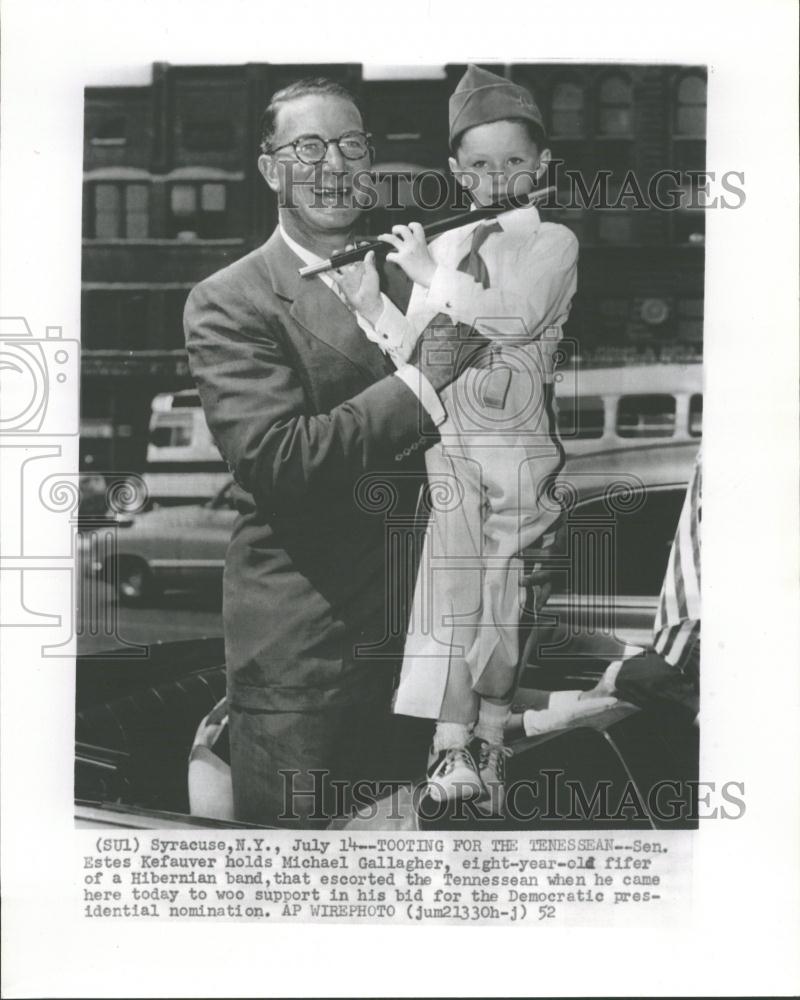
(396, 342)
(532, 269)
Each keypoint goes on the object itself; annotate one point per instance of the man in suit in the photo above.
(318, 429)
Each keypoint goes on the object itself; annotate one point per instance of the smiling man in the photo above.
(310, 414)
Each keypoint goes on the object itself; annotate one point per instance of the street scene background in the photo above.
(172, 193)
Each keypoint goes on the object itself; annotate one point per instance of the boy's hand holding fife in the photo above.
(443, 349)
(411, 252)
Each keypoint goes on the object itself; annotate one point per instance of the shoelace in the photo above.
(460, 755)
(494, 755)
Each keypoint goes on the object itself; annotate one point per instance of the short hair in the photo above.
(312, 86)
(535, 133)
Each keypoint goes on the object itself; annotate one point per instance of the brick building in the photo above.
(172, 193)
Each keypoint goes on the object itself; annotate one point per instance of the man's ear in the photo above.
(268, 168)
(544, 160)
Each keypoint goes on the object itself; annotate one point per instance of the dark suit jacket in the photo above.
(303, 407)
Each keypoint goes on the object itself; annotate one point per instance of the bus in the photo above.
(629, 407)
(183, 462)
(653, 409)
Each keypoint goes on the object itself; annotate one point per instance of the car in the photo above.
(168, 547)
(136, 719)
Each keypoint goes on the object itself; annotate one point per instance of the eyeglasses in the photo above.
(312, 149)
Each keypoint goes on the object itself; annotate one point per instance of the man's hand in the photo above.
(411, 252)
(360, 286)
(444, 350)
(575, 713)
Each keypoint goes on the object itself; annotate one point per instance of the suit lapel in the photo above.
(316, 308)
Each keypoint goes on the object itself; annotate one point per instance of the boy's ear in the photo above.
(268, 168)
(454, 169)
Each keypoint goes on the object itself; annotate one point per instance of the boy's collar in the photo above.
(517, 221)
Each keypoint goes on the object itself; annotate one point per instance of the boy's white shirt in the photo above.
(532, 268)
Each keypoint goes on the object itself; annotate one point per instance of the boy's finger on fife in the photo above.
(402, 231)
(395, 241)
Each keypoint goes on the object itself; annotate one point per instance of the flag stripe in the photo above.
(677, 623)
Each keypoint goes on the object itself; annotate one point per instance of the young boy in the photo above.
(513, 278)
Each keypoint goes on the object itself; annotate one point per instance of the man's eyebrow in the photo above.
(297, 138)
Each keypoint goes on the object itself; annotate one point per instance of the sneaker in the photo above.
(452, 775)
(491, 758)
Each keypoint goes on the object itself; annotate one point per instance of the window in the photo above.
(615, 112)
(171, 436)
(208, 136)
(690, 106)
(696, 416)
(114, 320)
(118, 211)
(198, 210)
(642, 540)
(646, 416)
(137, 211)
(107, 211)
(187, 399)
(111, 132)
(689, 226)
(581, 417)
(567, 110)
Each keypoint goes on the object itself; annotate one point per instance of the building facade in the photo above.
(172, 193)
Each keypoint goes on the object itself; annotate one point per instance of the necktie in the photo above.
(473, 263)
(494, 385)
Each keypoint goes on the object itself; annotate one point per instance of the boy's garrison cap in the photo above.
(482, 97)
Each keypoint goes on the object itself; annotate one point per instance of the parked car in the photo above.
(170, 547)
(136, 719)
(622, 428)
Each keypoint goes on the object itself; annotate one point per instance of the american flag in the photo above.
(676, 630)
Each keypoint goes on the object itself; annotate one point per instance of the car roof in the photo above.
(631, 379)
